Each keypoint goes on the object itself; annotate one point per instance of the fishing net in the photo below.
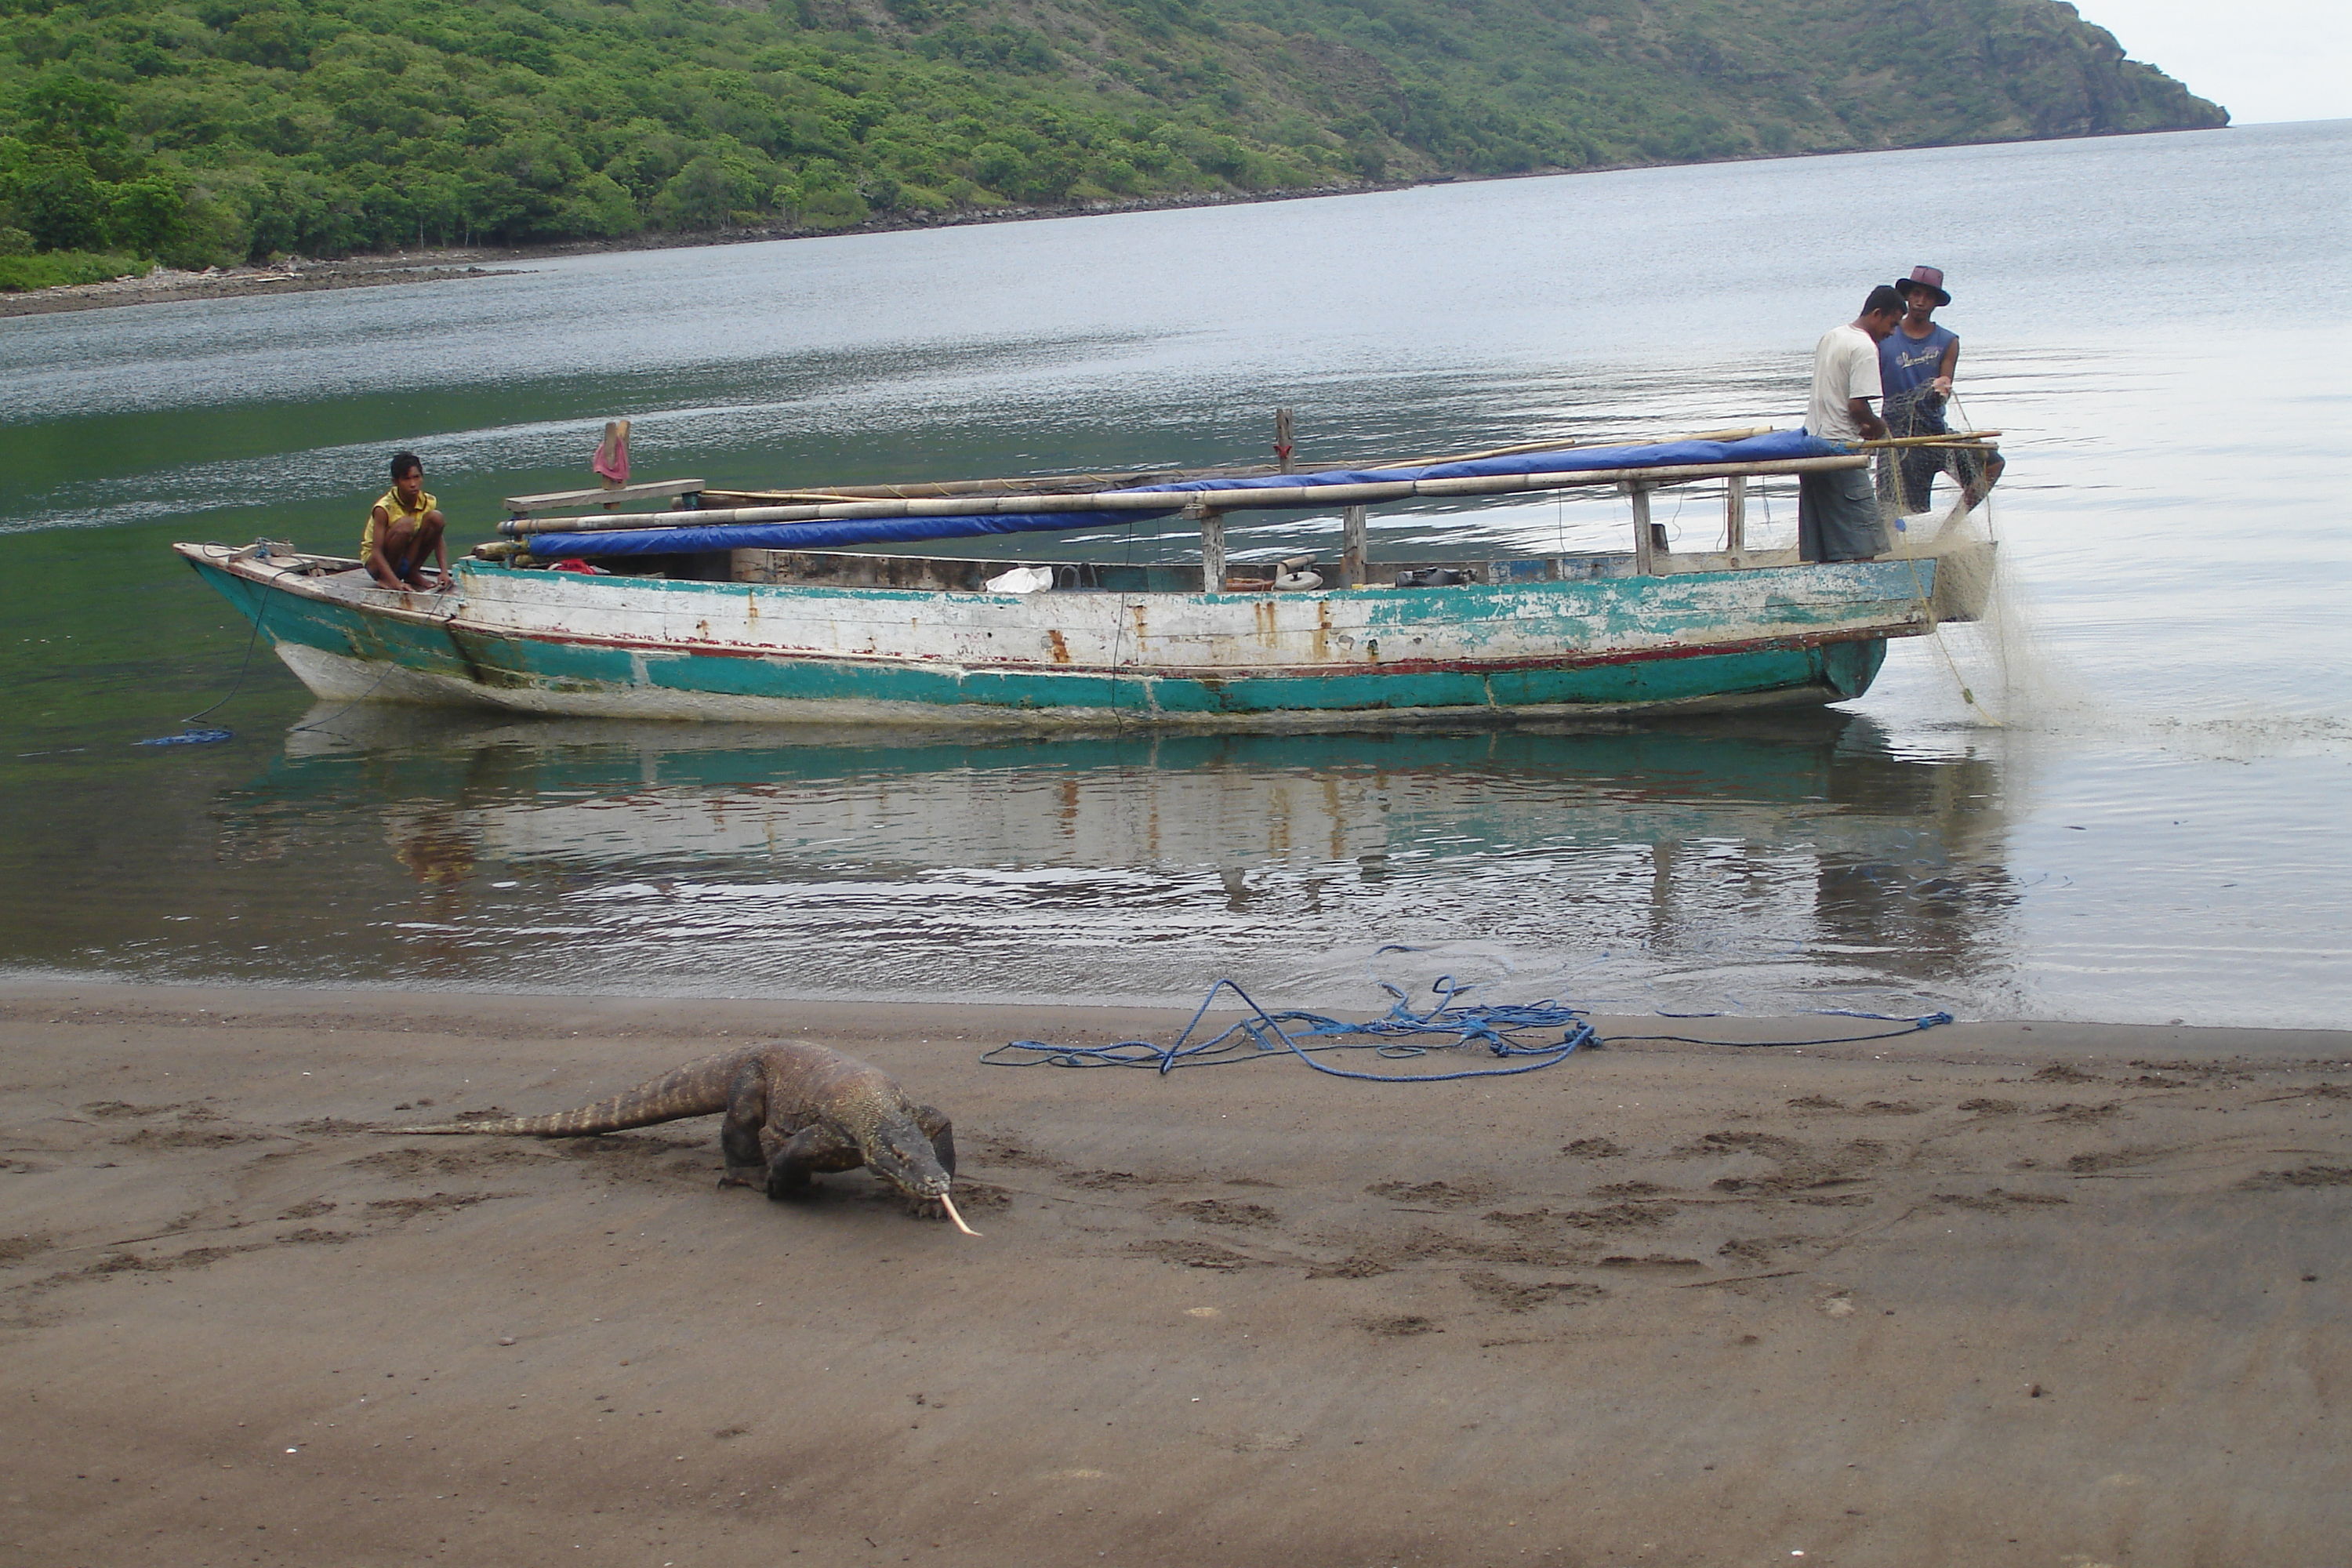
(1984, 634)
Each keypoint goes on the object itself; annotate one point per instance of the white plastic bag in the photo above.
(1021, 580)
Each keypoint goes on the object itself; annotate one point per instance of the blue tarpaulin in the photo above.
(1780, 446)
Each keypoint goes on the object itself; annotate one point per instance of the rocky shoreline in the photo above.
(164, 286)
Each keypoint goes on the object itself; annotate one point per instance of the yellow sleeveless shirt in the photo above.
(392, 508)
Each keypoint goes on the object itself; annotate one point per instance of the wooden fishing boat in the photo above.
(761, 604)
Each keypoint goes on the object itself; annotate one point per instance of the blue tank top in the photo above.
(1906, 363)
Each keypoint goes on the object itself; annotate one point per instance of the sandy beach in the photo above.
(2022, 1294)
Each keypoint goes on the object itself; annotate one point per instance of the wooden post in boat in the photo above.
(1645, 559)
(1213, 546)
(1734, 516)
(1355, 549)
(1282, 442)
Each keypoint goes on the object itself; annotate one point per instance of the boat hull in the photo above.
(537, 642)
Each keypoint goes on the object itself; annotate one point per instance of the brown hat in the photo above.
(1931, 279)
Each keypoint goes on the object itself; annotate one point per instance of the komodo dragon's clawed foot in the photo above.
(787, 1187)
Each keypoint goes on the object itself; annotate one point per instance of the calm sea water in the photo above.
(2138, 818)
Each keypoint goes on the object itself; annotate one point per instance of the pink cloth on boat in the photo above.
(612, 460)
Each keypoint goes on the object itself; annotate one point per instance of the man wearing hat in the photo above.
(1915, 364)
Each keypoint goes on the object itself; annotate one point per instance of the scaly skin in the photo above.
(793, 1109)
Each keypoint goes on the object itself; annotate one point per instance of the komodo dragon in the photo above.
(793, 1109)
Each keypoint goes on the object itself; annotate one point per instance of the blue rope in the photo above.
(1401, 1034)
(1912, 1024)
(189, 738)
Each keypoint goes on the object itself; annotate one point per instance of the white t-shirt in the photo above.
(1845, 364)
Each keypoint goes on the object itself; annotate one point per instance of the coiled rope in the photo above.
(1531, 1036)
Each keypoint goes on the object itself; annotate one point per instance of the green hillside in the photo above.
(212, 131)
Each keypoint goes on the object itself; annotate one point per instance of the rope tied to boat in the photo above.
(193, 736)
(190, 734)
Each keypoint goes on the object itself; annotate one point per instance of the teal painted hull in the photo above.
(443, 651)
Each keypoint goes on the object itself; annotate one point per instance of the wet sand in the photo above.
(2051, 1295)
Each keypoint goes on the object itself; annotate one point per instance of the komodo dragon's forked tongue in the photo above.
(948, 1204)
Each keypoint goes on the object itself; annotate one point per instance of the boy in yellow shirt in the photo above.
(403, 526)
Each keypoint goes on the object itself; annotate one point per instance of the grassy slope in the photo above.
(208, 129)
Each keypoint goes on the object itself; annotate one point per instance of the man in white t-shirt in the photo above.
(1837, 512)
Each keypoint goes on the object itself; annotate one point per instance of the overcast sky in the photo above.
(2260, 59)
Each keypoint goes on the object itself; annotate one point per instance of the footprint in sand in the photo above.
(1433, 1195)
(1996, 1201)
(1194, 1253)
(2302, 1176)
(1515, 1295)
(13, 1248)
(1216, 1211)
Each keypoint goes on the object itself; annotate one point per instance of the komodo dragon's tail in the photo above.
(698, 1088)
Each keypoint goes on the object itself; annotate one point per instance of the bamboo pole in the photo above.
(1645, 542)
(790, 498)
(1072, 484)
(1948, 438)
(1737, 433)
(1051, 484)
(1268, 498)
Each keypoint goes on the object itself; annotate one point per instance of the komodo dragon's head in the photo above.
(902, 1156)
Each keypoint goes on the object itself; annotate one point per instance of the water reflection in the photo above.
(1752, 865)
